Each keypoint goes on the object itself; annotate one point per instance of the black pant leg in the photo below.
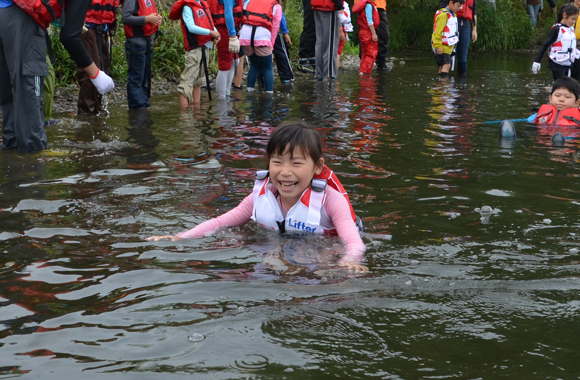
(383, 35)
(307, 46)
(282, 59)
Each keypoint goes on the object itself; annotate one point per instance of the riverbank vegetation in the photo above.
(503, 25)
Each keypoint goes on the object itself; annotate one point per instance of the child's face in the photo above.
(454, 7)
(561, 98)
(569, 20)
(292, 174)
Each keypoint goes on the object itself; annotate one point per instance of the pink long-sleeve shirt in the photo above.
(335, 206)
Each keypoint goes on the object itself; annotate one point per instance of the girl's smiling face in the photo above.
(291, 173)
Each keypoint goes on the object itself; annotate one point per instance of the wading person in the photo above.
(328, 32)
(534, 7)
(445, 35)
(140, 22)
(367, 17)
(467, 29)
(23, 66)
(280, 52)
(226, 15)
(297, 194)
(307, 46)
(198, 31)
(383, 34)
(562, 44)
(100, 22)
(258, 33)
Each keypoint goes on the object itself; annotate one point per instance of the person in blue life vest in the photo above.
(445, 35)
(198, 32)
(23, 65)
(562, 44)
(562, 108)
(297, 194)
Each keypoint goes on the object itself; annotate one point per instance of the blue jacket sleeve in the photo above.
(229, 16)
(369, 13)
(283, 25)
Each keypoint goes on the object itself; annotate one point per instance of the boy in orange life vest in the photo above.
(367, 17)
(140, 21)
(198, 32)
(563, 105)
(445, 35)
(100, 22)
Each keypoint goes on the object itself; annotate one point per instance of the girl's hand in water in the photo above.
(163, 237)
(354, 267)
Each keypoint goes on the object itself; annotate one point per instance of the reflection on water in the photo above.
(472, 244)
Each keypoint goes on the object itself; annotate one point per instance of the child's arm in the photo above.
(235, 217)
(277, 17)
(552, 37)
(370, 23)
(192, 27)
(440, 23)
(337, 209)
(284, 29)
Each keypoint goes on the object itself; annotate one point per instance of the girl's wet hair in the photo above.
(569, 9)
(291, 136)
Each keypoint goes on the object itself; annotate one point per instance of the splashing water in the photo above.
(105, 101)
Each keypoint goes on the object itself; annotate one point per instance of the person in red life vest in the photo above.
(445, 35)
(467, 29)
(23, 65)
(345, 22)
(367, 17)
(297, 194)
(227, 15)
(562, 108)
(260, 27)
(328, 34)
(140, 21)
(100, 22)
(198, 32)
(562, 44)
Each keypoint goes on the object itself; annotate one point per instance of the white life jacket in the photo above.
(450, 34)
(563, 51)
(305, 216)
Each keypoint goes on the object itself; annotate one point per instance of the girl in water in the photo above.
(297, 193)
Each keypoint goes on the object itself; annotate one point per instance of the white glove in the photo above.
(234, 46)
(536, 67)
(103, 83)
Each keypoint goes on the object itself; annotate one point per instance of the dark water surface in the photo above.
(455, 289)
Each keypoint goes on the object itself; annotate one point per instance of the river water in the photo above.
(473, 242)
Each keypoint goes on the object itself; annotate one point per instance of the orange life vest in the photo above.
(323, 5)
(145, 8)
(361, 17)
(466, 11)
(259, 13)
(548, 114)
(201, 17)
(43, 13)
(102, 11)
(217, 12)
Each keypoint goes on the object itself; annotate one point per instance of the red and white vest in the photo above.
(259, 13)
(145, 7)
(450, 34)
(563, 51)
(201, 17)
(548, 114)
(466, 11)
(102, 11)
(307, 215)
(217, 12)
(361, 17)
(43, 13)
